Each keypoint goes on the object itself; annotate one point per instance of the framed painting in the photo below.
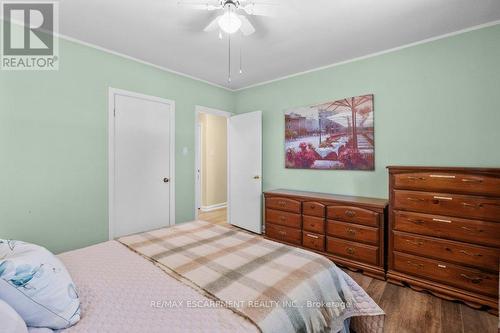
(337, 135)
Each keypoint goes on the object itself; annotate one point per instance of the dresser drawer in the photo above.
(354, 232)
(474, 231)
(284, 234)
(448, 204)
(353, 215)
(462, 253)
(352, 250)
(283, 218)
(313, 241)
(313, 209)
(440, 271)
(448, 181)
(285, 204)
(313, 224)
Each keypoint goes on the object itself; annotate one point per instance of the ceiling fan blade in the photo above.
(214, 25)
(259, 8)
(201, 5)
(246, 27)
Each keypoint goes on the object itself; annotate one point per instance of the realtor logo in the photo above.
(28, 41)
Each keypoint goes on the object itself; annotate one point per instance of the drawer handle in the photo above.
(415, 242)
(281, 232)
(469, 229)
(282, 203)
(466, 180)
(415, 199)
(442, 198)
(442, 176)
(282, 218)
(416, 221)
(350, 250)
(441, 220)
(350, 213)
(466, 204)
(473, 279)
(441, 266)
(312, 207)
(471, 254)
(415, 178)
(414, 264)
(312, 236)
(351, 231)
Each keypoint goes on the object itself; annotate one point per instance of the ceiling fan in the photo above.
(233, 17)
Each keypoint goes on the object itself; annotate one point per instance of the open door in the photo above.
(245, 171)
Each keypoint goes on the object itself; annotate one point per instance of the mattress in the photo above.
(121, 291)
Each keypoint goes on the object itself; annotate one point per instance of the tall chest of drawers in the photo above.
(348, 230)
(444, 232)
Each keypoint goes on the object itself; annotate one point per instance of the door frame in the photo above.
(197, 153)
(112, 93)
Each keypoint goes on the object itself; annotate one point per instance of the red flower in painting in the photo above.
(352, 159)
(302, 159)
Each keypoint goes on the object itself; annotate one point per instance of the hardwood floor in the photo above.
(218, 216)
(411, 311)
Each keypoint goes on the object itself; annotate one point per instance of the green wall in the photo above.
(435, 104)
(53, 143)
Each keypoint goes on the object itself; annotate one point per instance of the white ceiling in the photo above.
(304, 35)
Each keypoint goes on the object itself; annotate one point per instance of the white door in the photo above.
(245, 170)
(141, 165)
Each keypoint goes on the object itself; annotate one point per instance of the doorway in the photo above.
(141, 163)
(239, 199)
(211, 170)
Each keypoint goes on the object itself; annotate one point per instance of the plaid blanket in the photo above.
(278, 287)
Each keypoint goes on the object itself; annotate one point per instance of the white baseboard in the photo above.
(213, 207)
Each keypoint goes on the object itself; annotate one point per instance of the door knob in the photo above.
(256, 177)
(166, 180)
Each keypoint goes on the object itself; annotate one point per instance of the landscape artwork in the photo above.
(336, 135)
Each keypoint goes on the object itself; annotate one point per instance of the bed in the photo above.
(169, 280)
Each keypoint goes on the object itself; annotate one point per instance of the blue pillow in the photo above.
(37, 285)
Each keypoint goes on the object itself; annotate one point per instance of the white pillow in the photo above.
(37, 285)
(10, 321)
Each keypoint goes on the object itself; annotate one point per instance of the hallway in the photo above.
(218, 216)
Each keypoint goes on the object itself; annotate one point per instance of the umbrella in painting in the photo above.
(332, 135)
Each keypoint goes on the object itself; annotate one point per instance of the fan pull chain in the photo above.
(241, 52)
(229, 62)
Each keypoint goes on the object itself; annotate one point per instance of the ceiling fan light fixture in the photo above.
(229, 22)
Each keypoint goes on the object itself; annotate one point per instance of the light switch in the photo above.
(185, 151)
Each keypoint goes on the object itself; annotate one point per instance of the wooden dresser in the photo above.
(349, 230)
(444, 232)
